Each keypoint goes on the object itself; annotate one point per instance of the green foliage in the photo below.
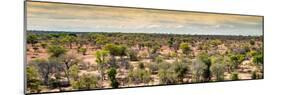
(158, 59)
(83, 50)
(116, 50)
(133, 55)
(32, 38)
(237, 59)
(181, 69)
(56, 50)
(112, 76)
(198, 68)
(167, 76)
(44, 45)
(252, 42)
(101, 60)
(217, 70)
(234, 76)
(166, 73)
(207, 61)
(141, 65)
(171, 42)
(185, 48)
(258, 59)
(85, 81)
(139, 76)
(74, 71)
(33, 79)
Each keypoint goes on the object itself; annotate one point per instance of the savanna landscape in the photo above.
(79, 61)
(74, 47)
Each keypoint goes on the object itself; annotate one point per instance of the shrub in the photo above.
(85, 81)
(33, 79)
(181, 69)
(234, 76)
(217, 70)
(185, 48)
(139, 76)
(133, 55)
(112, 76)
(83, 50)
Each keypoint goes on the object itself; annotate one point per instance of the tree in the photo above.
(207, 61)
(236, 60)
(56, 50)
(33, 79)
(185, 48)
(32, 39)
(112, 76)
(86, 81)
(171, 42)
(101, 60)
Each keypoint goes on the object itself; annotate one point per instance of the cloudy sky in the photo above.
(83, 18)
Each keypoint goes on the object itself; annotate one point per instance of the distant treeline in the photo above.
(230, 37)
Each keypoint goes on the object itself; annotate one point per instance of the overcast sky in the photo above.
(83, 18)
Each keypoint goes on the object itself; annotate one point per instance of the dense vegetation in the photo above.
(79, 61)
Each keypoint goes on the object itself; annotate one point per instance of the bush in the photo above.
(86, 81)
(185, 48)
(217, 70)
(234, 76)
(139, 76)
(83, 50)
(141, 65)
(133, 55)
(181, 69)
(198, 67)
(112, 76)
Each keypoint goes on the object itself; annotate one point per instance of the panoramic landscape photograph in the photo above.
(75, 47)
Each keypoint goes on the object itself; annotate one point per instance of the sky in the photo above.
(85, 18)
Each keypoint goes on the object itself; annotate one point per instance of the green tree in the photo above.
(56, 50)
(112, 76)
(101, 60)
(33, 80)
(207, 61)
(32, 39)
